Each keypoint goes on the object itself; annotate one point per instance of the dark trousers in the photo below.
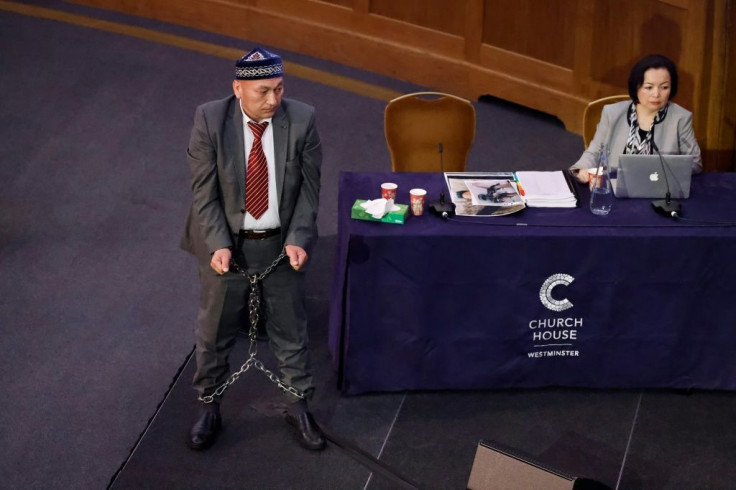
(223, 311)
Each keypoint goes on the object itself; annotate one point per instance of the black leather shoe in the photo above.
(307, 431)
(204, 431)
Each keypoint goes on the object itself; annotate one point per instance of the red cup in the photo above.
(388, 190)
(416, 200)
(595, 177)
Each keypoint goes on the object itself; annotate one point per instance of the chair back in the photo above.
(592, 115)
(415, 124)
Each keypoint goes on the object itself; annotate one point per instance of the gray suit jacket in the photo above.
(672, 136)
(216, 157)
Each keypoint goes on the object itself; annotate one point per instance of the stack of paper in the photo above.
(546, 189)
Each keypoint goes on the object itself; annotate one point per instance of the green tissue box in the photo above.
(395, 217)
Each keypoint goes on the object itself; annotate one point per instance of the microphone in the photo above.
(666, 207)
(442, 208)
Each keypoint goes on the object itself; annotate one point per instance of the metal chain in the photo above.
(254, 308)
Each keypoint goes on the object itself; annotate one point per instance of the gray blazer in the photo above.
(672, 136)
(216, 157)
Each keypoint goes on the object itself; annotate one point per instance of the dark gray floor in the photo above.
(97, 304)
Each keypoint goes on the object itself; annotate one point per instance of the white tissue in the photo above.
(378, 208)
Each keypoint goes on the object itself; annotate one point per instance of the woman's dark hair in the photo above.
(636, 77)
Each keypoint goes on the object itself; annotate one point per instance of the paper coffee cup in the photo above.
(388, 190)
(595, 176)
(416, 201)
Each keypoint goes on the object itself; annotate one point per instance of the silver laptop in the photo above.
(641, 176)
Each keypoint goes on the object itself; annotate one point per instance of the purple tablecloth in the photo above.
(460, 304)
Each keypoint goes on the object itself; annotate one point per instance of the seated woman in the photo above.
(629, 127)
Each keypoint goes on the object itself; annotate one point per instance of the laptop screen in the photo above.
(646, 176)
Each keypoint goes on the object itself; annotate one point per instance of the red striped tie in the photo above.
(256, 182)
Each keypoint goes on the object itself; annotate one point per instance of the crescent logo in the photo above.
(545, 294)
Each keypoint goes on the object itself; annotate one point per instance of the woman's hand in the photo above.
(581, 174)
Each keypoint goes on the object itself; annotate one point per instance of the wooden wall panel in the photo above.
(544, 30)
(721, 132)
(623, 35)
(551, 55)
(344, 3)
(360, 26)
(438, 15)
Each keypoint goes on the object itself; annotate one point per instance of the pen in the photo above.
(518, 184)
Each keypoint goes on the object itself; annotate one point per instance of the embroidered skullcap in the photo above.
(259, 64)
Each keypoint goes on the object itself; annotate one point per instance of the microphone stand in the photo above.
(442, 208)
(666, 207)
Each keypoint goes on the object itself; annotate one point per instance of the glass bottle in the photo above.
(601, 195)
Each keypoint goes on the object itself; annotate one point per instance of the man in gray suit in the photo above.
(256, 192)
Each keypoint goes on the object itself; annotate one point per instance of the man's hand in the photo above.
(221, 260)
(297, 256)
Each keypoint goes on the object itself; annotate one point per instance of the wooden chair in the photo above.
(415, 124)
(592, 115)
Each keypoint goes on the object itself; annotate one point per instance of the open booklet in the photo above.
(484, 193)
